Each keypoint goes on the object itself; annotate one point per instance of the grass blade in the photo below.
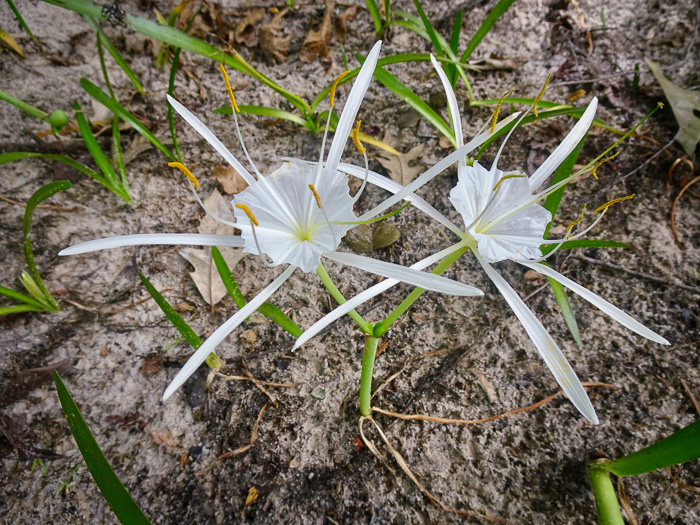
(117, 153)
(20, 308)
(496, 13)
(21, 155)
(109, 46)
(116, 108)
(566, 311)
(429, 29)
(19, 18)
(584, 243)
(267, 112)
(454, 46)
(22, 298)
(679, 447)
(376, 17)
(119, 499)
(270, 311)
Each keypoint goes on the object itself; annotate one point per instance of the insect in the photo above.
(114, 14)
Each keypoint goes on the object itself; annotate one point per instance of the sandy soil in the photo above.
(458, 357)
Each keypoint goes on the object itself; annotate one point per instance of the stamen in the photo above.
(614, 201)
(335, 85)
(498, 108)
(364, 181)
(184, 170)
(209, 212)
(602, 162)
(356, 138)
(316, 196)
(228, 87)
(510, 176)
(539, 95)
(571, 226)
(249, 213)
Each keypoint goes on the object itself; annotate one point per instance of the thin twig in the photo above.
(646, 162)
(45, 206)
(266, 383)
(625, 502)
(635, 273)
(421, 417)
(673, 209)
(681, 484)
(691, 396)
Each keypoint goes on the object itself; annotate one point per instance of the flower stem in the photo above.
(368, 356)
(366, 327)
(382, 327)
(605, 498)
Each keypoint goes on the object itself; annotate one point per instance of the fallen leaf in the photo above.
(316, 42)
(684, 104)
(205, 275)
(245, 29)
(164, 437)
(6, 39)
(532, 275)
(152, 365)
(139, 144)
(248, 336)
(341, 23)
(252, 496)
(496, 63)
(405, 167)
(230, 179)
(274, 46)
(25, 381)
(384, 234)
(366, 238)
(11, 429)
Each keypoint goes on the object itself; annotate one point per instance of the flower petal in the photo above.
(394, 187)
(220, 334)
(566, 147)
(435, 170)
(211, 139)
(428, 281)
(362, 297)
(544, 343)
(347, 117)
(452, 104)
(613, 311)
(195, 239)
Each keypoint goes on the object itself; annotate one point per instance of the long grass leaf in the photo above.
(566, 311)
(454, 46)
(20, 308)
(119, 499)
(22, 298)
(376, 16)
(94, 148)
(116, 108)
(21, 155)
(266, 112)
(496, 13)
(268, 310)
(19, 18)
(429, 28)
(584, 243)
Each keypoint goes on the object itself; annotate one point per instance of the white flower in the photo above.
(294, 216)
(504, 220)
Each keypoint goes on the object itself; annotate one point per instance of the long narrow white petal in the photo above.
(613, 311)
(428, 281)
(194, 239)
(211, 139)
(435, 170)
(546, 346)
(566, 147)
(220, 334)
(347, 118)
(452, 104)
(394, 187)
(362, 297)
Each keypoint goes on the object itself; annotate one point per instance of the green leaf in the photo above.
(117, 153)
(496, 13)
(605, 499)
(454, 46)
(266, 112)
(19, 296)
(19, 18)
(39, 196)
(119, 499)
(115, 54)
(178, 322)
(21, 155)
(429, 28)
(679, 447)
(21, 308)
(116, 108)
(376, 16)
(566, 311)
(584, 243)
(268, 310)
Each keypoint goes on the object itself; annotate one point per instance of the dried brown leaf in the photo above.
(230, 179)
(405, 167)
(245, 29)
(164, 437)
(316, 42)
(496, 63)
(274, 46)
(341, 23)
(25, 381)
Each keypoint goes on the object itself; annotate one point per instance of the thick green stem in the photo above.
(27, 108)
(366, 378)
(333, 289)
(382, 327)
(605, 498)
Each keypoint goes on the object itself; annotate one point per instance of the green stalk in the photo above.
(605, 498)
(366, 378)
(382, 327)
(333, 289)
(27, 108)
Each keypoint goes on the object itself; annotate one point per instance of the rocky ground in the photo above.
(461, 358)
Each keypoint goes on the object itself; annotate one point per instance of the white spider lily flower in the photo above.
(503, 220)
(293, 217)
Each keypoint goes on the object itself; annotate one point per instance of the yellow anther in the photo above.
(511, 176)
(316, 195)
(660, 104)
(539, 95)
(614, 201)
(603, 162)
(571, 226)
(184, 170)
(249, 213)
(228, 87)
(335, 85)
(498, 108)
(356, 138)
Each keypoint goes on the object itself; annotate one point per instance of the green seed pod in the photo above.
(58, 119)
